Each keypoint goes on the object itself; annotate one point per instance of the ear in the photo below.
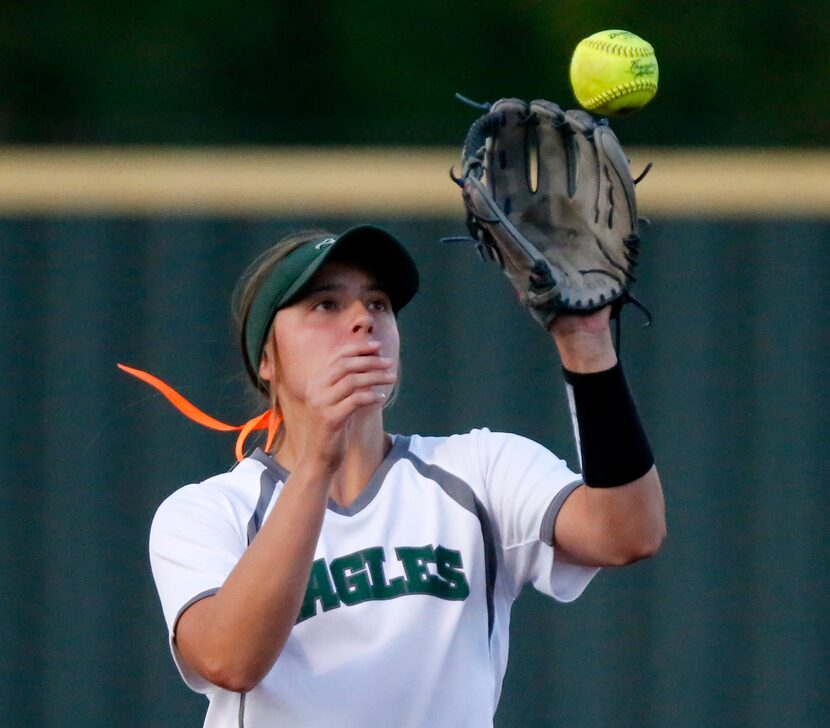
(266, 363)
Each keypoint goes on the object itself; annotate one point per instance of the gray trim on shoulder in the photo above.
(262, 457)
(267, 486)
(399, 447)
(191, 602)
(242, 710)
(552, 511)
(465, 496)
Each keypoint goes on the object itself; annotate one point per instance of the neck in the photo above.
(366, 446)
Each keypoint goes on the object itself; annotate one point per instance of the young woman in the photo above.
(346, 576)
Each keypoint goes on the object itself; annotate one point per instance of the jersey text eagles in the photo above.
(361, 577)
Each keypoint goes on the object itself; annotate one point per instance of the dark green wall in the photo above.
(725, 627)
(380, 72)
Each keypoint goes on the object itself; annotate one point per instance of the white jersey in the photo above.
(405, 618)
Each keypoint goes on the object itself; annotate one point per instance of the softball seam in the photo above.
(618, 91)
(620, 50)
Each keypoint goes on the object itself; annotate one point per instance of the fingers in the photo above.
(357, 377)
(588, 172)
(612, 157)
(356, 358)
(339, 414)
(358, 366)
(360, 381)
(335, 408)
(556, 154)
(507, 169)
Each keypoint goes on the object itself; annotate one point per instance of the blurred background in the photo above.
(148, 152)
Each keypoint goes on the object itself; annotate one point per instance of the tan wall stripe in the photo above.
(362, 182)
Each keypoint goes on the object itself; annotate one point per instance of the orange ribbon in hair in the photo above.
(269, 419)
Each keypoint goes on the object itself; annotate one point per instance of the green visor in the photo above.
(366, 246)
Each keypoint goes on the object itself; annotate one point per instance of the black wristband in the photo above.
(610, 437)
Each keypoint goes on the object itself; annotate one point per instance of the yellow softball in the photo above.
(614, 72)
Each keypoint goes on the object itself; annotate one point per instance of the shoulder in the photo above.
(226, 497)
(514, 478)
(453, 452)
(481, 457)
(479, 444)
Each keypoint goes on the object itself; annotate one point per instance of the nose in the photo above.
(364, 320)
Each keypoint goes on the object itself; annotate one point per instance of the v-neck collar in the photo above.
(400, 445)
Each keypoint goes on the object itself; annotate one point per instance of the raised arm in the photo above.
(568, 244)
(620, 517)
(233, 638)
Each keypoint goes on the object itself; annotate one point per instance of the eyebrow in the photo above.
(325, 287)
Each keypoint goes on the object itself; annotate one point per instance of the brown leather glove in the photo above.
(549, 194)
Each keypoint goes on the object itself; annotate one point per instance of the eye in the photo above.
(379, 304)
(326, 304)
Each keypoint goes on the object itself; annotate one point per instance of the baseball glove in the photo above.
(550, 196)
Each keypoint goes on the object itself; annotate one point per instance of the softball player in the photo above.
(345, 576)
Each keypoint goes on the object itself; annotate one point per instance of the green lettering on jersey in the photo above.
(319, 588)
(419, 580)
(381, 588)
(454, 583)
(361, 577)
(351, 579)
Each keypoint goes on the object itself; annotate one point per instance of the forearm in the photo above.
(234, 637)
(619, 515)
